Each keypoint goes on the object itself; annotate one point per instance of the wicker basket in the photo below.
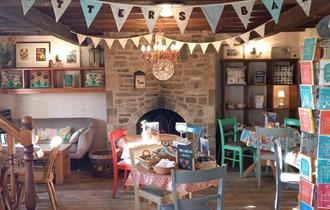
(101, 161)
(147, 160)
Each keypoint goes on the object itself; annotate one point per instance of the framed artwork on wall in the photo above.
(235, 52)
(32, 54)
(139, 80)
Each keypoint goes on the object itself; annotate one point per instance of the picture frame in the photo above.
(260, 77)
(32, 54)
(236, 52)
(139, 80)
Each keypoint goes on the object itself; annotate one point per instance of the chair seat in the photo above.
(290, 177)
(199, 206)
(125, 162)
(155, 191)
(236, 144)
(265, 154)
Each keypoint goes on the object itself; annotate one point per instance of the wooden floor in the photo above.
(84, 191)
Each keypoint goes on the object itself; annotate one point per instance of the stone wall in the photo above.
(190, 92)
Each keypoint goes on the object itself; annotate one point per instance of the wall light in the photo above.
(281, 98)
(257, 49)
(166, 10)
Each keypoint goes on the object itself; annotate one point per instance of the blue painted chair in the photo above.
(284, 180)
(291, 122)
(198, 131)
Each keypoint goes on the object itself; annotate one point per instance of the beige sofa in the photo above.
(79, 149)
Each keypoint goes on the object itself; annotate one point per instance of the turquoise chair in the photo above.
(198, 131)
(291, 122)
(235, 146)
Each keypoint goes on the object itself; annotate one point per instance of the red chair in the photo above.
(121, 165)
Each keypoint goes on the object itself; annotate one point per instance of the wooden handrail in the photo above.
(24, 136)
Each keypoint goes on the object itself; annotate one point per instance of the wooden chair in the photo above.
(190, 177)
(265, 137)
(291, 122)
(118, 165)
(235, 146)
(284, 180)
(150, 193)
(43, 175)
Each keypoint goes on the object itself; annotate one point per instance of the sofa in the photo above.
(85, 139)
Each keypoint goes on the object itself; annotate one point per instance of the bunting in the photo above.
(260, 30)
(179, 45)
(191, 47)
(230, 42)
(244, 10)
(151, 15)
(168, 42)
(212, 14)
(90, 10)
(59, 7)
(245, 37)
(217, 45)
(26, 5)
(204, 46)
(120, 13)
(274, 7)
(181, 15)
(95, 40)
(81, 38)
(109, 42)
(305, 5)
(123, 42)
(148, 38)
(136, 41)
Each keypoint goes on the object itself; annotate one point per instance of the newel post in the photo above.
(26, 140)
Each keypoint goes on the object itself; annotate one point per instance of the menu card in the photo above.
(306, 96)
(306, 120)
(324, 98)
(306, 191)
(325, 122)
(323, 150)
(309, 49)
(324, 72)
(305, 167)
(185, 157)
(306, 72)
(323, 172)
(323, 196)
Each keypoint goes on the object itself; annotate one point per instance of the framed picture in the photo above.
(235, 52)
(139, 80)
(260, 77)
(32, 54)
(71, 57)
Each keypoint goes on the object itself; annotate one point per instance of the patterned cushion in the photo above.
(49, 133)
(283, 74)
(94, 79)
(11, 79)
(236, 75)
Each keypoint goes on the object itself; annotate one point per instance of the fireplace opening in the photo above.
(165, 117)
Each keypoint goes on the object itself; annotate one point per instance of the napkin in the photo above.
(165, 163)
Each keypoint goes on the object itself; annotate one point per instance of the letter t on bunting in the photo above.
(59, 7)
(151, 15)
(90, 10)
(120, 13)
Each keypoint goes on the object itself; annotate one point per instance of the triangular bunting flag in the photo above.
(261, 30)
(109, 42)
(95, 40)
(59, 7)
(148, 38)
(178, 45)
(243, 10)
(81, 38)
(305, 5)
(122, 42)
(136, 41)
(120, 13)
(212, 14)
(90, 10)
(231, 42)
(204, 46)
(245, 37)
(151, 15)
(27, 4)
(217, 45)
(274, 7)
(181, 15)
(168, 42)
(191, 47)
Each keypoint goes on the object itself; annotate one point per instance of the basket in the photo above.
(102, 163)
(162, 170)
(147, 160)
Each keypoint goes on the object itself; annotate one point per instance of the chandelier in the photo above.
(160, 51)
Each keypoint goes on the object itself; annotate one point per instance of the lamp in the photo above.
(281, 98)
(254, 53)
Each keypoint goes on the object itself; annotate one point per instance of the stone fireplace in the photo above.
(190, 92)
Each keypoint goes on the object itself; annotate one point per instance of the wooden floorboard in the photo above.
(84, 191)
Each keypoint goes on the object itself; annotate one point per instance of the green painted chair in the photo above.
(237, 147)
(291, 122)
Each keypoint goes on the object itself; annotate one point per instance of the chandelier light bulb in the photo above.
(148, 48)
(143, 48)
(166, 11)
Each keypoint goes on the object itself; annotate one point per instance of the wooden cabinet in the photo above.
(54, 80)
(273, 81)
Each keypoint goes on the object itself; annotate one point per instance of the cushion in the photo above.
(73, 148)
(94, 79)
(39, 79)
(11, 79)
(236, 75)
(283, 74)
(75, 136)
(49, 133)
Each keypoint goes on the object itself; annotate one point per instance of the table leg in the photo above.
(62, 166)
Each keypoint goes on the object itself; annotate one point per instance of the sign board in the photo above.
(185, 157)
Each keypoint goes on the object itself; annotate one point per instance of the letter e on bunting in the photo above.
(274, 7)
(59, 7)
(120, 13)
(90, 10)
(151, 15)
(181, 15)
(243, 10)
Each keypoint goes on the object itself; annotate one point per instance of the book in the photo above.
(324, 77)
(306, 72)
(306, 96)
(305, 206)
(323, 172)
(323, 196)
(204, 146)
(324, 98)
(306, 120)
(306, 191)
(323, 150)
(305, 167)
(324, 122)
(309, 49)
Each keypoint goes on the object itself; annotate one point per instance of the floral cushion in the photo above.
(236, 75)
(49, 133)
(11, 79)
(94, 79)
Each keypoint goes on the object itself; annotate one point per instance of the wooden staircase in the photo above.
(10, 194)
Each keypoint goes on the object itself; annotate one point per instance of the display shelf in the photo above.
(52, 90)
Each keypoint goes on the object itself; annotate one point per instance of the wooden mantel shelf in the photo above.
(52, 90)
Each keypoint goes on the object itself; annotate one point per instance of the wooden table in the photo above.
(62, 162)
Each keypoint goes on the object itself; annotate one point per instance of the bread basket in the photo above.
(162, 170)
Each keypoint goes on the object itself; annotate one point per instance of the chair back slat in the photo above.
(291, 122)
(114, 136)
(266, 136)
(278, 158)
(51, 160)
(223, 123)
(195, 130)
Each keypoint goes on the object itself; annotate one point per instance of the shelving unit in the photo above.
(245, 92)
(56, 84)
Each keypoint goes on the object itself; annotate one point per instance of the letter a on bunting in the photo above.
(243, 10)
(90, 10)
(274, 7)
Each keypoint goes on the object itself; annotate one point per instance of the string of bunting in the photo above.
(168, 41)
(181, 13)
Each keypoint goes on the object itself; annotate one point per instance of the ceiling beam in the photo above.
(39, 20)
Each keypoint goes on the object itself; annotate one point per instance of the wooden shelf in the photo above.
(52, 90)
(260, 60)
